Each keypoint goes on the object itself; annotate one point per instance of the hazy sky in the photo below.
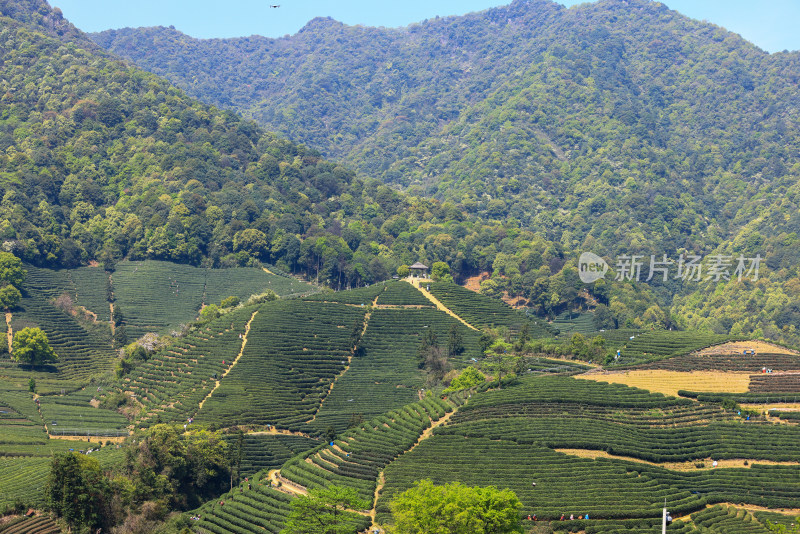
(770, 24)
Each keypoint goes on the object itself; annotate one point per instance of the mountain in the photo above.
(622, 128)
(102, 160)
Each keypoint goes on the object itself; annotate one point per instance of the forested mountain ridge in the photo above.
(101, 160)
(617, 127)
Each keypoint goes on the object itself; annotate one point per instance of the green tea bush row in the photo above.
(564, 484)
(362, 452)
(403, 294)
(294, 350)
(481, 311)
(384, 374)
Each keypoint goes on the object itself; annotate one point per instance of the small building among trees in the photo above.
(418, 270)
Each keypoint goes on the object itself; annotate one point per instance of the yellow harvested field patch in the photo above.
(736, 347)
(707, 463)
(670, 382)
(782, 406)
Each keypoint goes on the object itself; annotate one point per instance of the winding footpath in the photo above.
(233, 364)
(436, 302)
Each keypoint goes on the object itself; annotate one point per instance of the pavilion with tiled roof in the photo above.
(419, 270)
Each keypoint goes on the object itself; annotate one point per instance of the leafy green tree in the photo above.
(468, 378)
(455, 341)
(11, 271)
(325, 511)
(179, 470)
(499, 359)
(252, 241)
(523, 338)
(229, 302)
(77, 492)
(31, 346)
(485, 340)
(455, 509)
(9, 296)
(403, 271)
(209, 313)
(117, 316)
(440, 272)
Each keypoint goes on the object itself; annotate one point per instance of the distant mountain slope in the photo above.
(617, 127)
(103, 160)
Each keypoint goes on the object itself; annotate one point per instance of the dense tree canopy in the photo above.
(455, 509)
(78, 492)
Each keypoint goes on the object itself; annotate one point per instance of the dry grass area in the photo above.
(736, 347)
(473, 283)
(91, 439)
(670, 382)
(782, 406)
(707, 463)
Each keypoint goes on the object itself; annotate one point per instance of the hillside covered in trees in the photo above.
(103, 161)
(615, 127)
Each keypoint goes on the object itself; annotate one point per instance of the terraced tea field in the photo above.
(295, 349)
(385, 375)
(74, 415)
(83, 347)
(23, 479)
(356, 458)
(480, 311)
(569, 323)
(157, 296)
(652, 345)
(172, 383)
(402, 294)
(267, 451)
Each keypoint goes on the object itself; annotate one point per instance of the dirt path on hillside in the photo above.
(349, 361)
(416, 283)
(382, 477)
(741, 463)
(285, 485)
(233, 364)
(9, 332)
(378, 488)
